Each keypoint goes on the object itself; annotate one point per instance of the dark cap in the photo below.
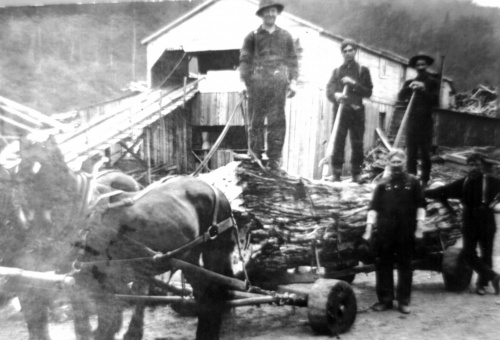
(347, 42)
(269, 3)
(420, 56)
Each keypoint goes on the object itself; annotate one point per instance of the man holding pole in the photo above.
(269, 69)
(425, 90)
(349, 84)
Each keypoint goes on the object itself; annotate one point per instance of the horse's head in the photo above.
(40, 159)
(45, 181)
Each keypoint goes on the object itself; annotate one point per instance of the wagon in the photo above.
(331, 304)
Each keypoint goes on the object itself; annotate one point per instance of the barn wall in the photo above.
(309, 113)
(171, 141)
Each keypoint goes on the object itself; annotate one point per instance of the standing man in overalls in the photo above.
(359, 85)
(269, 68)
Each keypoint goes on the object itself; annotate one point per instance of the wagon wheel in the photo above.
(331, 307)
(456, 274)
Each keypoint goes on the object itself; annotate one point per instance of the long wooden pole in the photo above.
(37, 277)
(404, 122)
(331, 141)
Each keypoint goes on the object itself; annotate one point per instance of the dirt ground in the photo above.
(436, 314)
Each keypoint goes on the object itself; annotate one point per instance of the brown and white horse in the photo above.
(163, 218)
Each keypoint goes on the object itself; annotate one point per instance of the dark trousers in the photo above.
(267, 100)
(352, 121)
(482, 234)
(419, 138)
(394, 250)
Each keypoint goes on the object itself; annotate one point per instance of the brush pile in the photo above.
(481, 101)
(297, 222)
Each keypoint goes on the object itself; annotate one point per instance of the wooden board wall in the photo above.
(171, 141)
(215, 108)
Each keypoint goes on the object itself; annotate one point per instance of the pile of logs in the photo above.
(298, 222)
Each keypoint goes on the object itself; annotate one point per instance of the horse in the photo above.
(45, 229)
(162, 217)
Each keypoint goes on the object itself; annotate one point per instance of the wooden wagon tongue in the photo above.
(38, 278)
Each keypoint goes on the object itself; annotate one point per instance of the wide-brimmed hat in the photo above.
(420, 55)
(269, 3)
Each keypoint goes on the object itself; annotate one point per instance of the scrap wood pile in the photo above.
(481, 100)
(297, 222)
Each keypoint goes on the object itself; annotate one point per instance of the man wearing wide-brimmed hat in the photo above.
(419, 126)
(269, 68)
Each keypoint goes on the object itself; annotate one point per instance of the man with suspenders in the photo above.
(269, 69)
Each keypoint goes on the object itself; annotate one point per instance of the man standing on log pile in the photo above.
(398, 209)
(479, 193)
(359, 85)
(419, 126)
(269, 68)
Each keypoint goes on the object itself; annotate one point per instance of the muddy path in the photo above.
(436, 314)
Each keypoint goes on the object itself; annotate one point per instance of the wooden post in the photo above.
(147, 152)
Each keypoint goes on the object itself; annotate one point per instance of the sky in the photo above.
(488, 3)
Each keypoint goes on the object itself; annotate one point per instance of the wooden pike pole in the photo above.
(404, 122)
(327, 160)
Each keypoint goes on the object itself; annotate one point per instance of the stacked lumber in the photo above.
(298, 222)
(482, 101)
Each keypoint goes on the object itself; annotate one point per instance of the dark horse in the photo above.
(39, 229)
(163, 217)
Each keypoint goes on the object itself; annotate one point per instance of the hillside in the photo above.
(61, 57)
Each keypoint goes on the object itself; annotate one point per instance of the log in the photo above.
(295, 222)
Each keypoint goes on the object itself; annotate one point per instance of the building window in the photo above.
(382, 68)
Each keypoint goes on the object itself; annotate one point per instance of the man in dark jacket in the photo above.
(359, 85)
(478, 193)
(269, 68)
(398, 209)
(419, 126)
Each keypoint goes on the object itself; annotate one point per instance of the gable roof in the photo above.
(26, 3)
(204, 6)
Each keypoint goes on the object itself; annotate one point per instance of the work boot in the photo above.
(382, 306)
(404, 308)
(480, 290)
(336, 175)
(356, 178)
(274, 167)
(496, 284)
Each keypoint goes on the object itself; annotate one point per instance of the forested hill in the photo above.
(57, 58)
(466, 34)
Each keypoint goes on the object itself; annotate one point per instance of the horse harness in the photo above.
(215, 229)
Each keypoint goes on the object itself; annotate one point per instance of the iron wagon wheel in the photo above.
(456, 274)
(331, 307)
